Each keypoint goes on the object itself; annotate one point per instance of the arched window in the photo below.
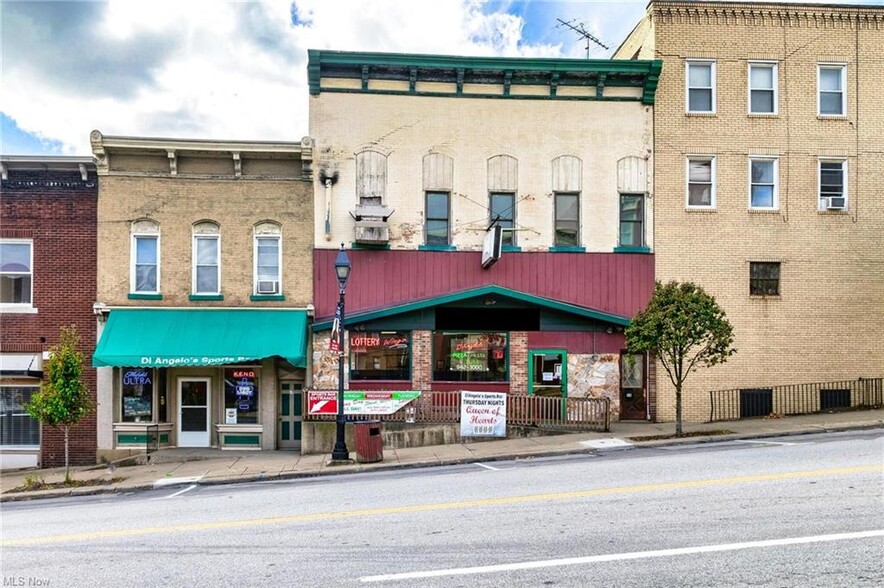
(206, 258)
(567, 183)
(503, 180)
(144, 275)
(371, 177)
(438, 175)
(268, 259)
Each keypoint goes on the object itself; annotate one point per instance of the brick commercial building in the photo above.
(769, 151)
(419, 158)
(204, 282)
(47, 281)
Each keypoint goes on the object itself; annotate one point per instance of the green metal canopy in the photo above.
(205, 337)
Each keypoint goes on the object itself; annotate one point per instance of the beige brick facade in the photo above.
(174, 189)
(827, 323)
(138, 185)
(471, 131)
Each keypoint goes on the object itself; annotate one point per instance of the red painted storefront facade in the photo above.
(392, 283)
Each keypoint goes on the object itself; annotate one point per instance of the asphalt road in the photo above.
(793, 511)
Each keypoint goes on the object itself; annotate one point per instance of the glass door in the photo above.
(194, 419)
(548, 373)
(633, 400)
(548, 380)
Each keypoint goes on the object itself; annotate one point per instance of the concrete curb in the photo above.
(389, 466)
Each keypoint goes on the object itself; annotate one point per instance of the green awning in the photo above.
(178, 338)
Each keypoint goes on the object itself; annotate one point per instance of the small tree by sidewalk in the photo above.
(685, 328)
(63, 398)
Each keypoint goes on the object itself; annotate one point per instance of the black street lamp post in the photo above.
(342, 269)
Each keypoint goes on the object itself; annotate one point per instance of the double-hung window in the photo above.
(763, 192)
(16, 272)
(833, 185)
(437, 216)
(503, 213)
(631, 220)
(700, 86)
(700, 181)
(267, 265)
(567, 229)
(764, 278)
(832, 84)
(146, 264)
(268, 259)
(762, 88)
(206, 259)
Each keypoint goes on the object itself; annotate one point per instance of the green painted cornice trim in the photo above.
(492, 290)
(451, 68)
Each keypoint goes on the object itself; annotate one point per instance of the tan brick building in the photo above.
(204, 287)
(769, 151)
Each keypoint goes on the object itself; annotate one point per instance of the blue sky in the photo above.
(215, 69)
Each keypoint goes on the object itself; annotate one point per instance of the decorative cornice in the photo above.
(103, 146)
(504, 74)
(769, 14)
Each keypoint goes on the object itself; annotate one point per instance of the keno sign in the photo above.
(482, 414)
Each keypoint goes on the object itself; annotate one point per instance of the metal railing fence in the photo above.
(792, 399)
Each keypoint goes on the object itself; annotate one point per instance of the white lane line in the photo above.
(766, 442)
(176, 481)
(188, 489)
(488, 467)
(533, 565)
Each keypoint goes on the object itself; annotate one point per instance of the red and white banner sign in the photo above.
(322, 402)
(371, 402)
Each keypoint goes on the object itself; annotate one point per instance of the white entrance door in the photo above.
(193, 418)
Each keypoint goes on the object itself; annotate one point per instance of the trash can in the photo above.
(369, 441)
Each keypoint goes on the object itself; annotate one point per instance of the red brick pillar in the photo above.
(421, 358)
(518, 362)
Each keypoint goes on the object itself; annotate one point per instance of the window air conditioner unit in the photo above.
(268, 287)
(836, 203)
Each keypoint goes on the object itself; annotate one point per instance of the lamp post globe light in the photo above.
(342, 271)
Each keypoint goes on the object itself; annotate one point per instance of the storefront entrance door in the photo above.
(194, 404)
(547, 373)
(290, 415)
(633, 399)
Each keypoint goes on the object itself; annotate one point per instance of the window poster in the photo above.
(137, 387)
(241, 394)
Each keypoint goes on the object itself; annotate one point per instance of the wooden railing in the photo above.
(531, 411)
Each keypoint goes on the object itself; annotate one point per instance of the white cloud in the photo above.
(211, 69)
(237, 70)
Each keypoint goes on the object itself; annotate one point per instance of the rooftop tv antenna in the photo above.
(584, 34)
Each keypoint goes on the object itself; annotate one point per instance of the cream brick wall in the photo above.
(177, 203)
(828, 322)
(471, 130)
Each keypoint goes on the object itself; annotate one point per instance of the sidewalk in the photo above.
(171, 467)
